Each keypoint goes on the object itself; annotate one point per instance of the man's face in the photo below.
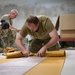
(12, 15)
(32, 26)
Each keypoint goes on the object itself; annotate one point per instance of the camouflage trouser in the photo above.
(36, 44)
(1, 50)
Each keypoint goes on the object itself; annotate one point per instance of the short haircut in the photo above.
(4, 24)
(14, 11)
(32, 19)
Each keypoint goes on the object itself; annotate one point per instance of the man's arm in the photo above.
(17, 30)
(19, 43)
(54, 39)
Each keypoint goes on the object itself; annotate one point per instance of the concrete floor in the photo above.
(68, 68)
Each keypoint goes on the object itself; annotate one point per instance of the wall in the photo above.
(51, 8)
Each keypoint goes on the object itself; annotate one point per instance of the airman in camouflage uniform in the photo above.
(7, 39)
(7, 36)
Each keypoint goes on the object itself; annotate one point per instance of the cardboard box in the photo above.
(67, 25)
(67, 33)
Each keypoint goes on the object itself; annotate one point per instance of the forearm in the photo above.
(20, 45)
(17, 30)
(51, 42)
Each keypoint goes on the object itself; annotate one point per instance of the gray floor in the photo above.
(1, 56)
(68, 68)
(19, 66)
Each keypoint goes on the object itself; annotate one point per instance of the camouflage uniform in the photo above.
(7, 39)
(7, 19)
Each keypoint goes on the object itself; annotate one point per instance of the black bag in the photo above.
(65, 44)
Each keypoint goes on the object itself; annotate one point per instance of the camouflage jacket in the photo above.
(7, 39)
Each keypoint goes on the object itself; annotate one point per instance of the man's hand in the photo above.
(11, 26)
(26, 53)
(41, 52)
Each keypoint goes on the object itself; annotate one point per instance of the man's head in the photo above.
(13, 13)
(4, 25)
(32, 23)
